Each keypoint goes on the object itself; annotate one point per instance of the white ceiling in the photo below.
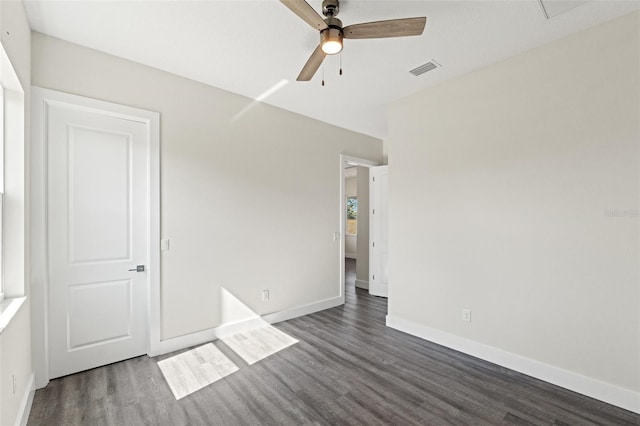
(250, 46)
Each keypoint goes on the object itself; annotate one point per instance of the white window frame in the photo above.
(13, 183)
(2, 192)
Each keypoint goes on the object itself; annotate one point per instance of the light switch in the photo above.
(164, 245)
(466, 315)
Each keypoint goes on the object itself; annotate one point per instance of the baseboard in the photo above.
(303, 310)
(27, 401)
(362, 284)
(351, 256)
(224, 330)
(204, 336)
(593, 388)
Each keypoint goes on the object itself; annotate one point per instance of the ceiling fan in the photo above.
(332, 32)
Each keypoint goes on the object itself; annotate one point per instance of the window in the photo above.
(12, 190)
(352, 215)
(12, 181)
(1, 193)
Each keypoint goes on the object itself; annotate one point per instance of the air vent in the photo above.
(432, 65)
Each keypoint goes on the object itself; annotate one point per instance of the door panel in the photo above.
(99, 192)
(98, 231)
(378, 232)
(89, 304)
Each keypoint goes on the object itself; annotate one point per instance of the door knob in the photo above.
(139, 268)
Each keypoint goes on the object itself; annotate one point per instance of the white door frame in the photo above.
(41, 99)
(344, 161)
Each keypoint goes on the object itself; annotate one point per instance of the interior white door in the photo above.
(378, 226)
(98, 195)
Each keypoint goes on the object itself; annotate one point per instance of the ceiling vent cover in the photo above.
(432, 65)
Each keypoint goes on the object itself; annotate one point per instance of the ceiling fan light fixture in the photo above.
(331, 40)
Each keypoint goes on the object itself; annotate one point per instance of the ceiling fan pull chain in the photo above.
(340, 62)
(323, 74)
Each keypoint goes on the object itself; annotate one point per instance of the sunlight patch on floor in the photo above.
(259, 343)
(193, 370)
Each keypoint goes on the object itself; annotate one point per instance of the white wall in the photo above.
(362, 249)
(236, 190)
(351, 185)
(15, 340)
(514, 192)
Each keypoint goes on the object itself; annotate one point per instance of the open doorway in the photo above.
(354, 220)
(354, 239)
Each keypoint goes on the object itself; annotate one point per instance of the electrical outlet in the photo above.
(265, 295)
(466, 315)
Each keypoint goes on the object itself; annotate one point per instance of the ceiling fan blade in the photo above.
(390, 28)
(312, 65)
(306, 12)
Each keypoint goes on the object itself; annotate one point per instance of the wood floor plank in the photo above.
(348, 368)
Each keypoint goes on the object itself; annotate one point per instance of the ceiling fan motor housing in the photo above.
(330, 8)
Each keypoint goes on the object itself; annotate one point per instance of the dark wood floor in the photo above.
(348, 368)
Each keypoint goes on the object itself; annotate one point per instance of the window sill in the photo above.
(8, 310)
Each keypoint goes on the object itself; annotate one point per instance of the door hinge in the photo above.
(373, 277)
(374, 243)
(374, 178)
(374, 211)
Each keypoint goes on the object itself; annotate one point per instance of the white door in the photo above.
(378, 221)
(98, 192)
